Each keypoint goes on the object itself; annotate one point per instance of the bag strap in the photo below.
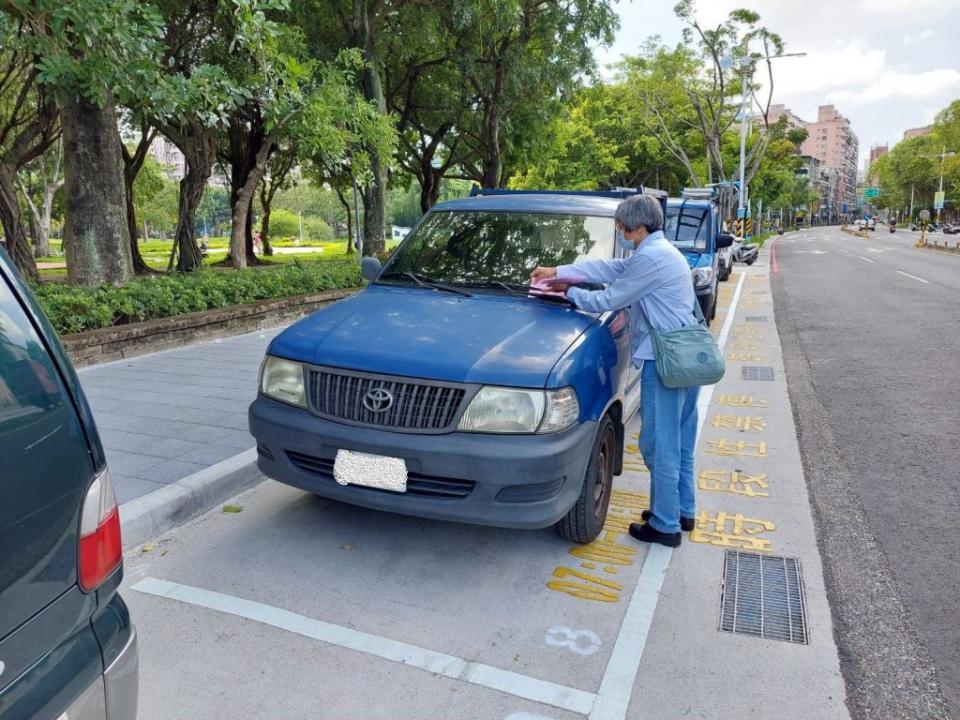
(697, 312)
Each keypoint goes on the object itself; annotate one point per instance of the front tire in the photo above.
(585, 520)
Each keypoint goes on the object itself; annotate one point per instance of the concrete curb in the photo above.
(152, 515)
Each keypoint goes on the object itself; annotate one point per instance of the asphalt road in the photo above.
(871, 346)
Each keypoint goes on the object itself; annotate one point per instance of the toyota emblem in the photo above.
(377, 400)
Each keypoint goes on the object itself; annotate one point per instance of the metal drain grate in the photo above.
(763, 596)
(755, 318)
(756, 372)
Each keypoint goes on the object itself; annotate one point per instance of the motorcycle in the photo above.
(746, 253)
(893, 227)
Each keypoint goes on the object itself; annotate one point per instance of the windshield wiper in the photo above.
(426, 282)
(521, 289)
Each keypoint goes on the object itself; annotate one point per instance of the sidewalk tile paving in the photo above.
(170, 414)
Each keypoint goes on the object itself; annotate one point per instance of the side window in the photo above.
(29, 384)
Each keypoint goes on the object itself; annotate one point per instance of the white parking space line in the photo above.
(865, 259)
(616, 687)
(541, 691)
(913, 277)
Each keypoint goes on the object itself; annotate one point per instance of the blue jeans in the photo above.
(668, 440)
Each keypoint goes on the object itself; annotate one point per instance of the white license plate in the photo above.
(376, 471)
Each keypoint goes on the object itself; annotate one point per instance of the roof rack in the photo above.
(701, 193)
(618, 193)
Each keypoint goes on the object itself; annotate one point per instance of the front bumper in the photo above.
(516, 481)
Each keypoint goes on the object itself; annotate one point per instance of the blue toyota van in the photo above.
(694, 225)
(446, 390)
(68, 649)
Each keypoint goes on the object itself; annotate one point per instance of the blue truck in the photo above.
(446, 389)
(695, 227)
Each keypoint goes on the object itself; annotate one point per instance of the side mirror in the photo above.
(724, 240)
(370, 268)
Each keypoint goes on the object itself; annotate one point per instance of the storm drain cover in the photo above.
(756, 372)
(763, 596)
(756, 318)
(758, 292)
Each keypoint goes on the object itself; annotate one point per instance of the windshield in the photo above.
(476, 247)
(688, 230)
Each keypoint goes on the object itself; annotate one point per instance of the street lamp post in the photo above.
(943, 156)
(745, 63)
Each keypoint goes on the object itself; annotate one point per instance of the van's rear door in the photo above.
(45, 469)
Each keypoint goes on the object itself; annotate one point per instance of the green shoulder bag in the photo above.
(689, 356)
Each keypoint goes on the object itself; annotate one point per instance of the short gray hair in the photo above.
(640, 210)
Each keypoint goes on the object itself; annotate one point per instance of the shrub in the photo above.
(75, 309)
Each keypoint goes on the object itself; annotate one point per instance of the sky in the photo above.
(887, 65)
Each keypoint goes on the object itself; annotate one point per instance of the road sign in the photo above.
(924, 215)
(938, 198)
(871, 192)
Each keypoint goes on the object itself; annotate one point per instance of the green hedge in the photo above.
(75, 309)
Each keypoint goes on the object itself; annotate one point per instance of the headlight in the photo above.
(508, 410)
(702, 276)
(283, 380)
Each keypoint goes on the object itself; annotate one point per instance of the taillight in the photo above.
(101, 550)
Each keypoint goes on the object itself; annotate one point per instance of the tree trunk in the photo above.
(17, 244)
(375, 194)
(95, 236)
(430, 179)
(265, 229)
(374, 209)
(346, 206)
(131, 168)
(198, 145)
(50, 186)
(242, 206)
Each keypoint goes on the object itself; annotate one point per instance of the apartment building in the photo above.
(832, 142)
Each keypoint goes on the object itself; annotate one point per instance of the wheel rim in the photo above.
(602, 475)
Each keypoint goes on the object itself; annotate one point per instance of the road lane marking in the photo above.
(616, 687)
(913, 277)
(541, 691)
(865, 258)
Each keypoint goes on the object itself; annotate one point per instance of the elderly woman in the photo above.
(654, 283)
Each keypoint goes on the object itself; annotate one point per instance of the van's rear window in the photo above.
(483, 247)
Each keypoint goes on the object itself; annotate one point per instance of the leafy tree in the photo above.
(696, 87)
(527, 56)
(201, 42)
(92, 56)
(28, 126)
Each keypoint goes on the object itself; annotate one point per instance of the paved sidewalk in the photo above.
(168, 415)
(751, 497)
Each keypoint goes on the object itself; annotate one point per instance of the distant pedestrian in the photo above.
(654, 283)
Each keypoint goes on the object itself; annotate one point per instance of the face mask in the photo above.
(623, 242)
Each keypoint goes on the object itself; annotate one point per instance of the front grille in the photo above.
(417, 484)
(416, 406)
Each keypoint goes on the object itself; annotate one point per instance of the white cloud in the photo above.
(917, 38)
(893, 84)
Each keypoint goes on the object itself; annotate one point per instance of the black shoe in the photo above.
(686, 524)
(647, 533)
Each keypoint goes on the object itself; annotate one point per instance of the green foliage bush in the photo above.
(285, 224)
(74, 309)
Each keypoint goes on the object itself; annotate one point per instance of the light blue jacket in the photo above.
(654, 282)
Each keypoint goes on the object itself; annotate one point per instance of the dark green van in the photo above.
(67, 646)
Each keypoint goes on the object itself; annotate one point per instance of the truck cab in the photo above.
(694, 225)
(447, 388)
